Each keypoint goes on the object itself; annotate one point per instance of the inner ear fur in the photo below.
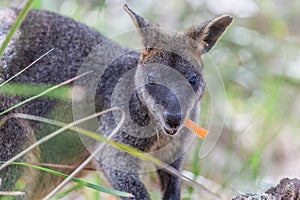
(209, 33)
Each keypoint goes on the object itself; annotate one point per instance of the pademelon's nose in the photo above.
(172, 119)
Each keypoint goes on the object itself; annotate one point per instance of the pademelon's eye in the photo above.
(151, 79)
(193, 80)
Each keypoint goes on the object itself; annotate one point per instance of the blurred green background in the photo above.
(259, 61)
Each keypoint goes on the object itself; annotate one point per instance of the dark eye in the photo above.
(193, 80)
(151, 80)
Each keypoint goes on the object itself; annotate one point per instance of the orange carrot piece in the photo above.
(195, 128)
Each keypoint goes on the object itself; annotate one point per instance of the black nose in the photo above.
(173, 120)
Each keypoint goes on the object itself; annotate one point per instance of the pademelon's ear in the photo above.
(146, 29)
(209, 33)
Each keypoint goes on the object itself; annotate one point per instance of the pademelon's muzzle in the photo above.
(172, 122)
(170, 110)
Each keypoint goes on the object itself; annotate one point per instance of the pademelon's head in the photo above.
(169, 75)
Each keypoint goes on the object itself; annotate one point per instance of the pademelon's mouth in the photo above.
(170, 131)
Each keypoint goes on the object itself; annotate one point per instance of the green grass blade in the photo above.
(42, 93)
(76, 180)
(16, 25)
(28, 90)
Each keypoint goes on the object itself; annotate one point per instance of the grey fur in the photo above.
(156, 110)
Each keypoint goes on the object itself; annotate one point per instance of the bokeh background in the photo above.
(259, 62)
